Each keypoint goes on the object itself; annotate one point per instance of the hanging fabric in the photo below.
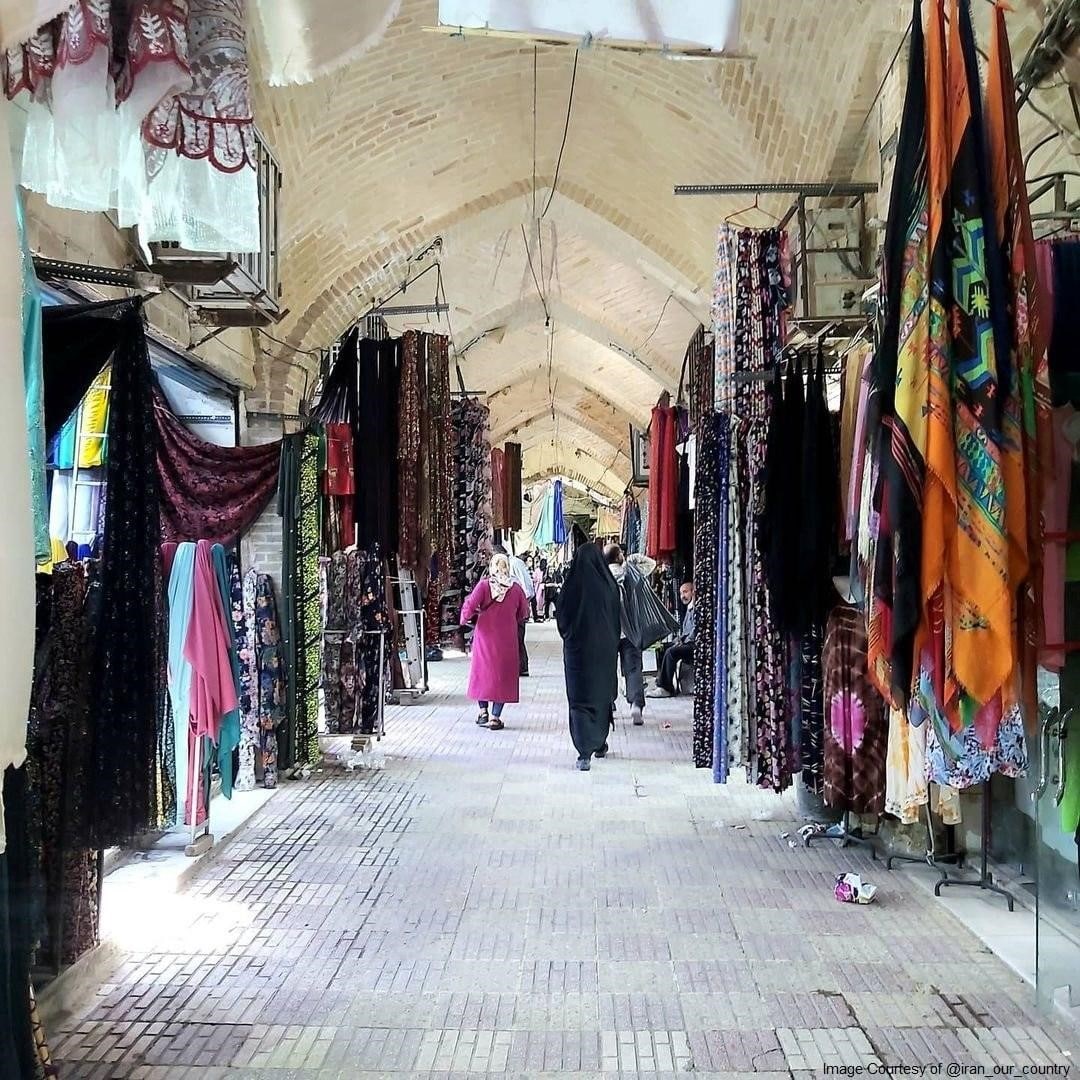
(356, 613)
(441, 474)
(512, 459)
(129, 655)
(35, 397)
(210, 492)
(498, 489)
(299, 505)
(472, 491)
(144, 109)
(410, 446)
(16, 493)
(229, 729)
(663, 482)
(59, 743)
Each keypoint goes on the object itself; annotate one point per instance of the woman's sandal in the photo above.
(483, 720)
(496, 724)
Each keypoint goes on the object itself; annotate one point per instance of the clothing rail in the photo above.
(985, 880)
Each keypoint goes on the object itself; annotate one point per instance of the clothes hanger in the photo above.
(755, 205)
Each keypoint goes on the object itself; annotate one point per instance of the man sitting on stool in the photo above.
(682, 650)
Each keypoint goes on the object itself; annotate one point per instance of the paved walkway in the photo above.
(480, 908)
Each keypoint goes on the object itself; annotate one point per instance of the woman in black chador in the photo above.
(588, 619)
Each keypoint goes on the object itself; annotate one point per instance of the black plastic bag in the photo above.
(648, 622)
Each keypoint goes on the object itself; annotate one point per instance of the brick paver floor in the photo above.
(480, 908)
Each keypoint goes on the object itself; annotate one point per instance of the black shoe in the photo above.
(583, 764)
(602, 752)
(483, 719)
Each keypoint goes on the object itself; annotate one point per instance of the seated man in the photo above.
(683, 649)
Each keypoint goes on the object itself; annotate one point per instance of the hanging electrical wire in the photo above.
(659, 320)
(536, 280)
(566, 129)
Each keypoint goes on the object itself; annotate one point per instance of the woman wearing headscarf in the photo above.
(499, 607)
(588, 619)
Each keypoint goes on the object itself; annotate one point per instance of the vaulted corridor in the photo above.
(478, 907)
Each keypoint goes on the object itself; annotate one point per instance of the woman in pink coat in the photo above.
(498, 605)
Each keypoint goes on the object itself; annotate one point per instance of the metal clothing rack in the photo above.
(414, 619)
(985, 880)
(201, 839)
(844, 837)
(952, 855)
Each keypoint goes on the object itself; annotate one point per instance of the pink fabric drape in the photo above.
(213, 692)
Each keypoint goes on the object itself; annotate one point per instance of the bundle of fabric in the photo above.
(356, 616)
(960, 393)
(262, 680)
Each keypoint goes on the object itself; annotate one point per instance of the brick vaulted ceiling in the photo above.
(429, 136)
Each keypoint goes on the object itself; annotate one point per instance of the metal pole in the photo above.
(817, 189)
(382, 684)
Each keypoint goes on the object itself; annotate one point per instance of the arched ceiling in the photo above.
(431, 136)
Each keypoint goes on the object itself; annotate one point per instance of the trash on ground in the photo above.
(851, 889)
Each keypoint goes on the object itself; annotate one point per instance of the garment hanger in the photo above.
(755, 205)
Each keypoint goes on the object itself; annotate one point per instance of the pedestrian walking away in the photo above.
(499, 607)
(630, 658)
(523, 576)
(588, 621)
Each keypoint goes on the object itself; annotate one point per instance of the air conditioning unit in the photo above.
(234, 288)
(831, 267)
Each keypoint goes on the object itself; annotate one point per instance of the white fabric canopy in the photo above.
(17, 550)
(20, 18)
(305, 39)
(712, 24)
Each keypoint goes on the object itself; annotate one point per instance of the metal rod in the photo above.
(257, 414)
(116, 277)
(815, 189)
(553, 37)
(411, 309)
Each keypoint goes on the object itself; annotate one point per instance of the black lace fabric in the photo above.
(126, 687)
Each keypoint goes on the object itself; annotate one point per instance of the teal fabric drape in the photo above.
(229, 732)
(35, 391)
